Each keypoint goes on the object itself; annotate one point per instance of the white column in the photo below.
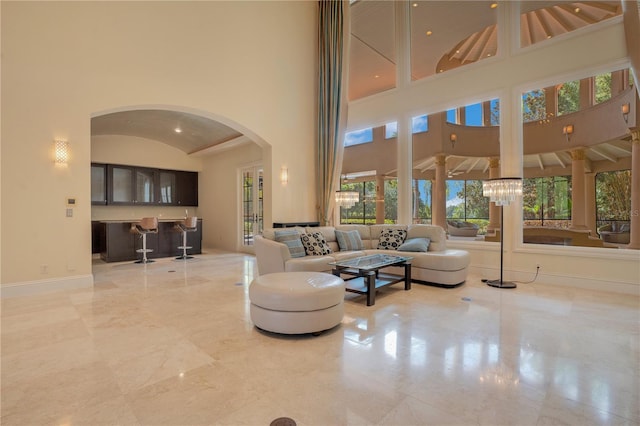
(439, 208)
(403, 78)
(379, 199)
(494, 211)
(577, 189)
(634, 240)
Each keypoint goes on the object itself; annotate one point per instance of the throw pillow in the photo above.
(349, 240)
(391, 239)
(415, 244)
(292, 239)
(315, 244)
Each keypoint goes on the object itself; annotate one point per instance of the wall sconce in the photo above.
(453, 138)
(625, 112)
(284, 175)
(61, 150)
(567, 131)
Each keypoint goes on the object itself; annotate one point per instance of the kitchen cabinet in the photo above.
(132, 185)
(98, 184)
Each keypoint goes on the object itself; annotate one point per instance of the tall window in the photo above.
(473, 115)
(613, 196)
(602, 87)
(421, 201)
(466, 202)
(419, 124)
(534, 106)
(547, 201)
(364, 211)
(539, 24)
(372, 65)
(569, 97)
(446, 35)
(358, 136)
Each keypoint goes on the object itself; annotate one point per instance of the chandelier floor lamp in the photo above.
(502, 191)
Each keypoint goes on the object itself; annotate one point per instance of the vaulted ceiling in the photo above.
(462, 32)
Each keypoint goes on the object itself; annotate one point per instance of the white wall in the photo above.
(220, 201)
(250, 65)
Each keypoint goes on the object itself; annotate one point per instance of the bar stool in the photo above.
(189, 224)
(148, 225)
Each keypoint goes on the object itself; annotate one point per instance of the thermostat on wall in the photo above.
(71, 201)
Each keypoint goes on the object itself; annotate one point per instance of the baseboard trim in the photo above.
(30, 288)
(584, 283)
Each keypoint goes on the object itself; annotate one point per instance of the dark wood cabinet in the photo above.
(120, 244)
(130, 185)
(98, 184)
(187, 183)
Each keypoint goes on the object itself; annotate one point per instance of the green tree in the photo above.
(569, 97)
(477, 205)
(534, 106)
(391, 200)
(603, 87)
(613, 195)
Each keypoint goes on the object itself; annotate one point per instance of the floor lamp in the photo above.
(502, 191)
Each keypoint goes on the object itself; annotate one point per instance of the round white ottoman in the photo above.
(296, 302)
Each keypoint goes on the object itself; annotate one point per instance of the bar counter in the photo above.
(115, 242)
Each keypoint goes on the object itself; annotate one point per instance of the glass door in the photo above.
(252, 209)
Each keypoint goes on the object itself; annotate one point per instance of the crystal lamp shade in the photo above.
(502, 191)
(347, 199)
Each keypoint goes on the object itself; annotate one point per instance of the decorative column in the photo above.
(439, 208)
(578, 204)
(634, 240)
(590, 200)
(494, 211)
(379, 199)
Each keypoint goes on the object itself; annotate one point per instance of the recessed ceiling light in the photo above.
(458, 51)
(548, 36)
(429, 32)
(177, 130)
(488, 54)
(415, 5)
(576, 10)
(440, 70)
(494, 5)
(376, 76)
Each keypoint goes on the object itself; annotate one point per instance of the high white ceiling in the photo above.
(462, 32)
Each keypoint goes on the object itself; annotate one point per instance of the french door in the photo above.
(251, 221)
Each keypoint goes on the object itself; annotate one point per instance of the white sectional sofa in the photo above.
(438, 266)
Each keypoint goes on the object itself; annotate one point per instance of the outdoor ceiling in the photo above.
(449, 34)
(197, 133)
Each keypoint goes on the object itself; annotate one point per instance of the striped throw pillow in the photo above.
(349, 240)
(291, 238)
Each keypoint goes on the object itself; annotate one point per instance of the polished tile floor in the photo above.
(172, 343)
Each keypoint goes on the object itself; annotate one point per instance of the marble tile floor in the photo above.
(172, 343)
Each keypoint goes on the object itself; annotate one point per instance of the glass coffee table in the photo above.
(367, 276)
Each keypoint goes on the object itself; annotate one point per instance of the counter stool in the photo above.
(189, 224)
(148, 225)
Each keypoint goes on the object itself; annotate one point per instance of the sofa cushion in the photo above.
(363, 230)
(291, 238)
(415, 245)
(434, 233)
(391, 239)
(315, 244)
(349, 240)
